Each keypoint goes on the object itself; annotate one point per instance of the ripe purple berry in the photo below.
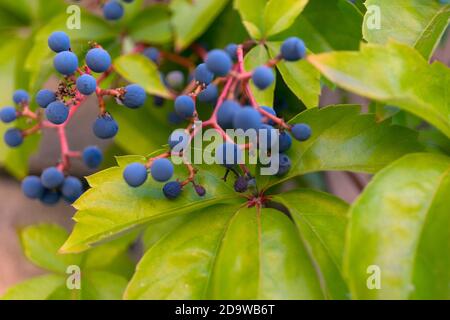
(13, 137)
(184, 106)
(241, 184)
(8, 114)
(134, 96)
(203, 75)
(66, 62)
(71, 189)
(152, 53)
(44, 97)
(105, 127)
(32, 187)
(301, 131)
(210, 94)
(226, 113)
(92, 157)
(98, 60)
(135, 174)
(263, 77)
(161, 170)
(219, 62)
(247, 118)
(293, 49)
(113, 10)
(172, 189)
(52, 178)
(57, 112)
(59, 41)
(86, 84)
(20, 96)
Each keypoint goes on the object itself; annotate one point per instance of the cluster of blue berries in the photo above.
(230, 114)
(114, 10)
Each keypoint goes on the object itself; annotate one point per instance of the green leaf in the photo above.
(398, 76)
(38, 288)
(402, 220)
(321, 219)
(111, 207)
(244, 255)
(191, 18)
(156, 231)
(137, 68)
(152, 25)
(280, 14)
(252, 14)
(345, 140)
(301, 77)
(418, 23)
(41, 243)
(327, 25)
(256, 57)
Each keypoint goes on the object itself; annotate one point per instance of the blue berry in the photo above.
(57, 112)
(200, 190)
(247, 118)
(98, 60)
(179, 139)
(203, 75)
(184, 106)
(228, 154)
(301, 131)
(272, 112)
(263, 77)
(8, 114)
(45, 97)
(175, 79)
(226, 113)
(161, 170)
(210, 94)
(219, 62)
(66, 63)
(59, 41)
(113, 10)
(172, 190)
(20, 96)
(71, 189)
(241, 184)
(270, 139)
(105, 127)
(13, 137)
(86, 84)
(152, 53)
(134, 96)
(32, 187)
(231, 49)
(174, 118)
(293, 49)
(284, 164)
(135, 174)
(52, 178)
(158, 101)
(92, 157)
(285, 141)
(50, 197)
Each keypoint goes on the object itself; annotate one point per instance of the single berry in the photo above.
(86, 84)
(263, 77)
(71, 189)
(13, 137)
(219, 62)
(268, 136)
(59, 41)
(284, 164)
(293, 49)
(8, 114)
(135, 174)
(66, 62)
(161, 170)
(152, 53)
(20, 96)
(241, 185)
(285, 141)
(134, 96)
(52, 178)
(228, 154)
(203, 75)
(57, 112)
(175, 79)
(113, 10)
(92, 157)
(158, 101)
(200, 190)
(247, 118)
(172, 189)
(50, 197)
(231, 49)
(44, 97)
(178, 140)
(209, 95)
(301, 131)
(184, 106)
(226, 113)
(174, 118)
(32, 187)
(272, 112)
(98, 60)
(105, 127)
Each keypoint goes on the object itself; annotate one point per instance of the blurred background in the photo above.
(16, 211)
